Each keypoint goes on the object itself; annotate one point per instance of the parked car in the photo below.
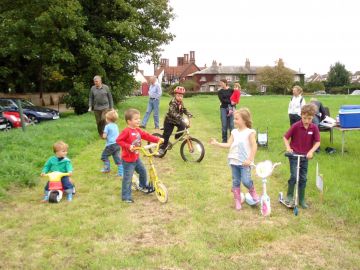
(13, 117)
(355, 92)
(320, 93)
(36, 114)
(4, 123)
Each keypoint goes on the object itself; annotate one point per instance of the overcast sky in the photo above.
(309, 35)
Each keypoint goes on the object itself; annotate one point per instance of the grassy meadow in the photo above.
(198, 227)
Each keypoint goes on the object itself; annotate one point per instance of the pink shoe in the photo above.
(237, 198)
(254, 194)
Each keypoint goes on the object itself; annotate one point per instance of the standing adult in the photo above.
(153, 104)
(295, 104)
(100, 101)
(227, 120)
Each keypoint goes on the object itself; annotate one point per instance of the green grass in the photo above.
(198, 228)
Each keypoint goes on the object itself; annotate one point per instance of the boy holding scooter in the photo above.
(59, 163)
(303, 138)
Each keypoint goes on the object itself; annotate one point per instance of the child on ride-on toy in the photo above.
(111, 132)
(243, 147)
(174, 117)
(59, 163)
(303, 138)
(128, 139)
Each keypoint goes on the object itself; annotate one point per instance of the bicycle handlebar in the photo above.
(288, 154)
(145, 149)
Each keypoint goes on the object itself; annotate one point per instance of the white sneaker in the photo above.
(143, 189)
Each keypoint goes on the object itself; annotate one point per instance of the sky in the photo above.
(309, 35)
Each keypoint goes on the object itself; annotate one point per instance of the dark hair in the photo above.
(129, 114)
(224, 81)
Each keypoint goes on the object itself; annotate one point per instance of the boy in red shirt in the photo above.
(235, 98)
(303, 138)
(128, 139)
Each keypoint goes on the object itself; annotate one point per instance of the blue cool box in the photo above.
(349, 116)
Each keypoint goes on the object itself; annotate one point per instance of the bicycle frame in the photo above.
(153, 177)
(186, 135)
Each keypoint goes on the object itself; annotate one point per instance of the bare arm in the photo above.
(287, 145)
(253, 145)
(223, 145)
(310, 154)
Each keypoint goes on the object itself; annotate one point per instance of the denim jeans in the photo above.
(302, 172)
(227, 123)
(241, 174)
(112, 150)
(152, 105)
(129, 168)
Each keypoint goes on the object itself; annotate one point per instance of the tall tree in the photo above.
(64, 43)
(278, 79)
(338, 75)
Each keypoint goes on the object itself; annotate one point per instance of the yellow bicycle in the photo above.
(155, 185)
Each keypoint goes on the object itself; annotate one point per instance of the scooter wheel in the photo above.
(296, 211)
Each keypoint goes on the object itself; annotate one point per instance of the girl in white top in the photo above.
(243, 147)
(295, 104)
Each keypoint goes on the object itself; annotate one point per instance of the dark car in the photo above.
(4, 123)
(36, 114)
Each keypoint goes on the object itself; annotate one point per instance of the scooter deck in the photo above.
(288, 205)
(250, 201)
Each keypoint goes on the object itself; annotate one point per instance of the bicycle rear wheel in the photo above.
(192, 150)
(161, 193)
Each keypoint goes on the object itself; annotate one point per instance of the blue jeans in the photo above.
(129, 168)
(152, 105)
(302, 172)
(227, 123)
(112, 150)
(241, 174)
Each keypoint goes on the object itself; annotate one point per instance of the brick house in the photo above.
(208, 78)
(173, 74)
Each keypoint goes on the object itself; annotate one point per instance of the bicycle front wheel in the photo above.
(161, 193)
(192, 150)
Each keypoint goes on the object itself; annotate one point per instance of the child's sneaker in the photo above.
(69, 197)
(128, 201)
(143, 189)
(106, 168)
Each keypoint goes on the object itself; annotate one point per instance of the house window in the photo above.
(212, 88)
(217, 78)
(297, 78)
(203, 79)
(251, 78)
(203, 88)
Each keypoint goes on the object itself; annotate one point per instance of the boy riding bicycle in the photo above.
(174, 117)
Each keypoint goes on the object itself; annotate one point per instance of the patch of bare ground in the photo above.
(317, 250)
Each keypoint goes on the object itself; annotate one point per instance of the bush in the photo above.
(78, 98)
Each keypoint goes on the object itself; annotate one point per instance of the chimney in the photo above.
(186, 59)
(247, 64)
(180, 61)
(214, 64)
(192, 56)
(164, 62)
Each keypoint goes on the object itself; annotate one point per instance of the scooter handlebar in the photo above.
(289, 154)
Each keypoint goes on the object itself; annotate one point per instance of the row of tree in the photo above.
(60, 45)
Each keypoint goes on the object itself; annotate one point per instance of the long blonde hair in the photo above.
(245, 115)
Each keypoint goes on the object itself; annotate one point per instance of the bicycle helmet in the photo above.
(179, 90)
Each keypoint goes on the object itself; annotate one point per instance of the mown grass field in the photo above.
(198, 228)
